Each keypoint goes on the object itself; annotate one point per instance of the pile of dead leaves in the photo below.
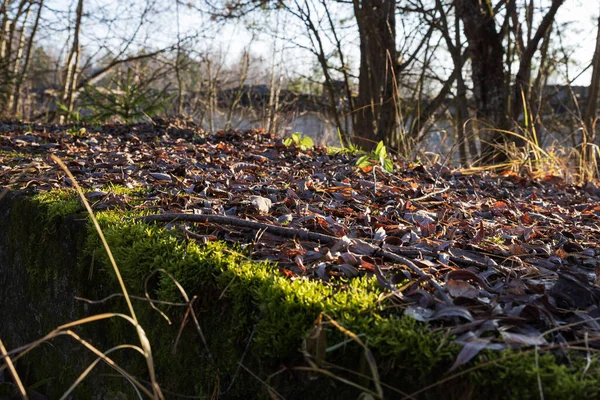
(498, 260)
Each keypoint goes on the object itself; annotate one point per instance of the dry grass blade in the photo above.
(100, 233)
(378, 393)
(13, 371)
(64, 330)
(368, 354)
(190, 310)
(145, 343)
(363, 376)
(111, 363)
(21, 351)
(114, 295)
(89, 369)
(269, 387)
(537, 373)
(181, 326)
(339, 378)
(151, 301)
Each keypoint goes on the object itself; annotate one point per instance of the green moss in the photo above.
(65, 202)
(124, 190)
(59, 203)
(12, 154)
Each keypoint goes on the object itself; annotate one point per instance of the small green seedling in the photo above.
(299, 140)
(379, 156)
(350, 149)
(77, 132)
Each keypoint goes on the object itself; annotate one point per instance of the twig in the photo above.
(269, 387)
(403, 260)
(428, 195)
(240, 364)
(302, 234)
(104, 300)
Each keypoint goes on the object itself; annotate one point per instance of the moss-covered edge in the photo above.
(239, 300)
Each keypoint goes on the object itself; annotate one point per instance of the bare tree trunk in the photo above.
(4, 26)
(271, 105)
(539, 85)
(211, 102)
(345, 74)
(240, 89)
(21, 79)
(11, 33)
(273, 123)
(461, 112)
(523, 78)
(71, 74)
(487, 53)
(466, 143)
(178, 66)
(376, 109)
(318, 49)
(592, 103)
(6, 47)
(17, 61)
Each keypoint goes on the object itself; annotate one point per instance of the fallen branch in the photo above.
(403, 260)
(302, 234)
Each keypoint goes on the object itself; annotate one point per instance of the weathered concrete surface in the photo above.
(39, 277)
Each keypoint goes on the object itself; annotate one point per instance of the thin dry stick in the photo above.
(269, 387)
(428, 195)
(13, 371)
(181, 326)
(112, 296)
(302, 234)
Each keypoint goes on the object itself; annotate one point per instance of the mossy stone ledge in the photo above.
(253, 318)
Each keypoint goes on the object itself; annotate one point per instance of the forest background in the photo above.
(502, 83)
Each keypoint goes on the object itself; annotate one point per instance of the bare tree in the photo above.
(376, 106)
(487, 53)
(245, 67)
(72, 63)
(20, 77)
(592, 103)
(528, 49)
(466, 143)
